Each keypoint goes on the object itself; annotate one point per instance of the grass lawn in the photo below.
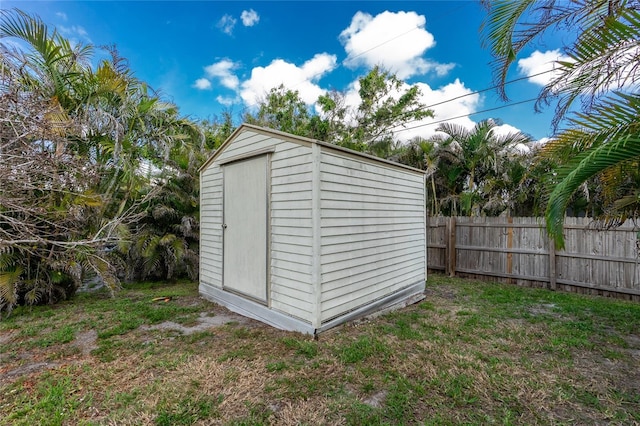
(470, 353)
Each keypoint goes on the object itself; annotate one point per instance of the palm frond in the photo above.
(9, 280)
(576, 172)
(604, 59)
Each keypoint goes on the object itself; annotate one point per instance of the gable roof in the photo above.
(304, 140)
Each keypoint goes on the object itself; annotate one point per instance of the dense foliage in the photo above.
(86, 155)
(601, 141)
(99, 175)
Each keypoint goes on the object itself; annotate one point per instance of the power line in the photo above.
(487, 89)
(475, 93)
(449, 12)
(246, 107)
(374, 47)
(466, 115)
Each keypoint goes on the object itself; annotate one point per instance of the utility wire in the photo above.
(475, 93)
(465, 115)
(246, 107)
(449, 12)
(470, 94)
(487, 89)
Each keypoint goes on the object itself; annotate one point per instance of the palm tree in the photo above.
(90, 134)
(602, 140)
(477, 157)
(422, 154)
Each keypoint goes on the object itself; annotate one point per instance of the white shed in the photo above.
(304, 235)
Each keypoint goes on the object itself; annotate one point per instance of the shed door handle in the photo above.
(224, 226)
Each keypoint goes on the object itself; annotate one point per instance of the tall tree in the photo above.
(602, 140)
(282, 109)
(386, 104)
(476, 159)
(423, 154)
(74, 147)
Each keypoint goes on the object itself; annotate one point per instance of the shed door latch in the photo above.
(224, 226)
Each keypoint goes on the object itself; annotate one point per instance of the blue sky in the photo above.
(209, 56)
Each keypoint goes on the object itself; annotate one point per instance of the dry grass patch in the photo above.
(471, 352)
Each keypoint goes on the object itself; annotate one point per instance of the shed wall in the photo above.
(290, 220)
(373, 232)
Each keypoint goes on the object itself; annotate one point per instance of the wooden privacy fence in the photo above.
(517, 250)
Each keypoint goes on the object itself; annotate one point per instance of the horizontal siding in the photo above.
(246, 143)
(372, 233)
(365, 210)
(211, 226)
(291, 234)
(339, 163)
(336, 188)
(362, 230)
(286, 228)
(335, 199)
(366, 175)
(369, 293)
(336, 282)
(340, 239)
(365, 186)
(288, 196)
(366, 255)
(357, 247)
(292, 307)
(290, 238)
(373, 220)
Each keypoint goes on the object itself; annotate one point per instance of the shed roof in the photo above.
(304, 140)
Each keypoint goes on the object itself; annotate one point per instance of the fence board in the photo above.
(517, 250)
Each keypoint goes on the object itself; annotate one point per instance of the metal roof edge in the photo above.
(297, 138)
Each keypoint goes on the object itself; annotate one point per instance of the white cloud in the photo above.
(202, 84)
(456, 111)
(397, 41)
(226, 24)
(544, 140)
(74, 31)
(504, 130)
(300, 78)
(624, 75)
(249, 18)
(223, 71)
(445, 111)
(61, 15)
(226, 100)
(542, 62)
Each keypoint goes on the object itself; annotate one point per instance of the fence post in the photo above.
(451, 246)
(509, 253)
(552, 264)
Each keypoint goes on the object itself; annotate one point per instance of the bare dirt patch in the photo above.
(205, 322)
(35, 360)
(458, 357)
(86, 341)
(377, 399)
(14, 366)
(26, 369)
(7, 337)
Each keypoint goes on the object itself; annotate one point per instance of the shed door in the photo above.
(245, 222)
